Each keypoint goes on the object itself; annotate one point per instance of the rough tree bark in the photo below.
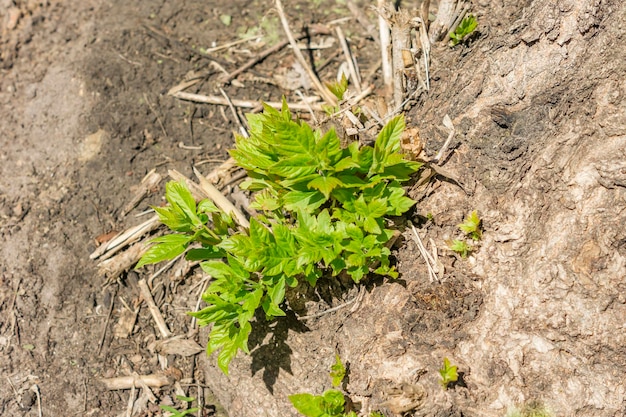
(539, 313)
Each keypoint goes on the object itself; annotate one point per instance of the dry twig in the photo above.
(321, 89)
(242, 128)
(246, 104)
(150, 181)
(430, 262)
(127, 382)
(385, 45)
(154, 310)
(356, 79)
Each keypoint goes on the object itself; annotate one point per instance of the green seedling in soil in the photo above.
(329, 404)
(448, 374)
(460, 246)
(337, 371)
(339, 88)
(183, 413)
(323, 210)
(471, 226)
(465, 28)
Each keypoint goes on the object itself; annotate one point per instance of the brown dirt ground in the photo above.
(85, 116)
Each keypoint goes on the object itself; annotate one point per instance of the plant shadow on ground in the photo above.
(271, 354)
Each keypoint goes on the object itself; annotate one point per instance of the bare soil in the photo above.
(537, 314)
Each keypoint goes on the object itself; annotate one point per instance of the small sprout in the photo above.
(465, 28)
(471, 226)
(448, 374)
(226, 19)
(339, 88)
(183, 413)
(337, 371)
(460, 246)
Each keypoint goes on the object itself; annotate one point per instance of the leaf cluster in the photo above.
(337, 371)
(330, 404)
(465, 28)
(471, 226)
(448, 374)
(322, 208)
(176, 413)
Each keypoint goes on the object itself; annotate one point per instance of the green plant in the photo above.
(448, 374)
(337, 371)
(175, 412)
(471, 226)
(329, 404)
(465, 28)
(339, 88)
(322, 210)
(460, 246)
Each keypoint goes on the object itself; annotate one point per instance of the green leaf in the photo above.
(337, 371)
(460, 246)
(338, 88)
(465, 28)
(308, 404)
(471, 225)
(325, 184)
(387, 144)
(174, 219)
(329, 404)
(333, 402)
(303, 200)
(167, 247)
(207, 206)
(202, 254)
(179, 197)
(448, 373)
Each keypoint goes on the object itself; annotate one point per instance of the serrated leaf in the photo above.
(173, 219)
(471, 226)
(325, 184)
(337, 371)
(371, 225)
(303, 200)
(460, 246)
(207, 206)
(387, 143)
(179, 197)
(265, 201)
(295, 166)
(308, 404)
(448, 373)
(167, 247)
(338, 88)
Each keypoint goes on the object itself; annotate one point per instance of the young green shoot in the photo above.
(182, 413)
(448, 374)
(471, 226)
(337, 371)
(464, 29)
(460, 246)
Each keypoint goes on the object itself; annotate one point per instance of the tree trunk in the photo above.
(538, 313)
